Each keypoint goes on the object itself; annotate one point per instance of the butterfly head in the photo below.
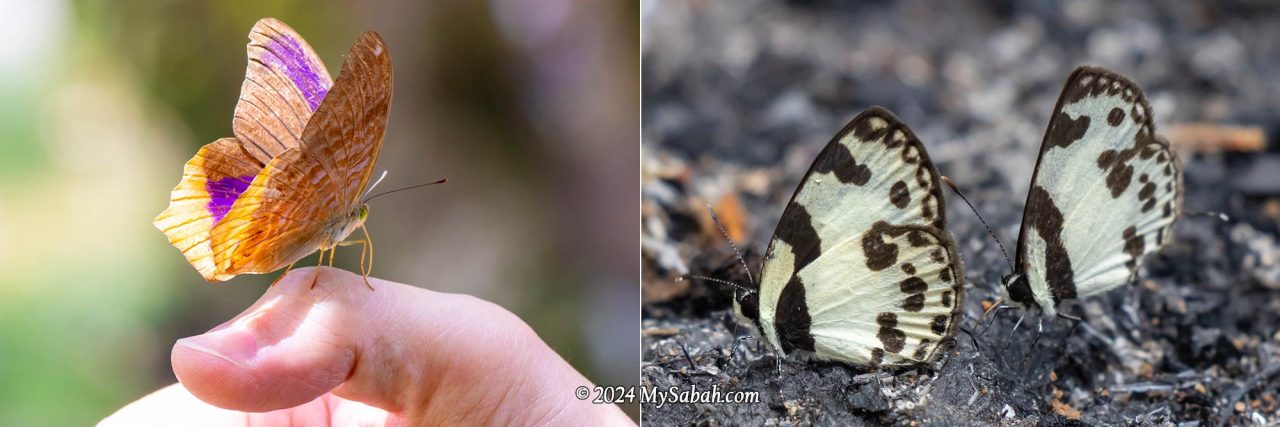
(356, 219)
(1018, 290)
(362, 214)
(746, 305)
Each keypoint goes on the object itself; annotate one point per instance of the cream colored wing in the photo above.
(1105, 192)
(861, 268)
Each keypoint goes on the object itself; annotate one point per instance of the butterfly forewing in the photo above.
(860, 268)
(285, 82)
(307, 194)
(346, 134)
(1105, 191)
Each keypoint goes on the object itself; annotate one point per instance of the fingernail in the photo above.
(233, 343)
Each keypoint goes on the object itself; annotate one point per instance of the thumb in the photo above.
(417, 354)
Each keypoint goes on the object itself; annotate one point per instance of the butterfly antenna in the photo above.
(984, 222)
(712, 279)
(375, 183)
(725, 233)
(441, 181)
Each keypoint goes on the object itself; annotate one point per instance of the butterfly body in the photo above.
(289, 182)
(342, 227)
(1104, 195)
(861, 269)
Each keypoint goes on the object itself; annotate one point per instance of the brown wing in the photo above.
(284, 82)
(281, 218)
(346, 132)
(304, 197)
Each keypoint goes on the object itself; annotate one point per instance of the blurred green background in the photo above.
(529, 107)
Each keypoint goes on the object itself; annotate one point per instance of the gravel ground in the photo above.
(739, 96)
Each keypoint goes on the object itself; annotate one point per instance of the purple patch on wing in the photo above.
(291, 57)
(223, 193)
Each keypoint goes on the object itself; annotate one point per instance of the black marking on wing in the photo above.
(936, 255)
(1133, 245)
(890, 336)
(1116, 117)
(792, 318)
(1119, 172)
(1044, 217)
(939, 324)
(916, 239)
(840, 161)
(914, 287)
(796, 229)
(922, 350)
(1147, 196)
(898, 195)
(880, 254)
(1088, 81)
(1064, 130)
(866, 132)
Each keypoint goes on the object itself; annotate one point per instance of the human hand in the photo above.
(341, 354)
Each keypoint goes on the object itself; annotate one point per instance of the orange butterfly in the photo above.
(290, 180)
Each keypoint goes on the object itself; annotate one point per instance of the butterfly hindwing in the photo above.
(211, 182)
(860, 268)
(284, 83)
(304, 197)
(276, 221)
(1105, 191)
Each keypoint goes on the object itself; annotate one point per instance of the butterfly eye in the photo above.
(363, 213)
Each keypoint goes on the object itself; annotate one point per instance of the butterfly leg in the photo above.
(971, 338)
(286, 272)
(994, 309)
(1039, 331)
(364, 249)
(734, 334)
(368, 243)
(1075, 321)
(692, 366)
(1015, 329)
(315, 276)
